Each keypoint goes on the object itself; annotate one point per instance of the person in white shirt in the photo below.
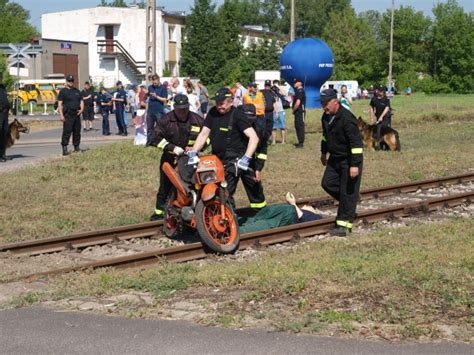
(239, 94)
(194, 104)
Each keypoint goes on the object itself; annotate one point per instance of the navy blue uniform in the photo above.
(299, 115)
(119, 111)
(155, 109)
(105, 105)
(4, 108)
(71, 100)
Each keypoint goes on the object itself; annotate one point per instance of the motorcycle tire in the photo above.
(170, 223)
(219, 238)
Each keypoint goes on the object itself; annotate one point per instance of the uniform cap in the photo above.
(268, 83)
(222, 94)
(252, 85)
(328, 95)
(69, 78)
(295, 80)
(181, 101)
(119, 83)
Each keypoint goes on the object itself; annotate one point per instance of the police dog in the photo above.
(389, 139)
(14, 130)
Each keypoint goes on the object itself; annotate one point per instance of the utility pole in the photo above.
(150, 38)
(390, 60)
(292, 29)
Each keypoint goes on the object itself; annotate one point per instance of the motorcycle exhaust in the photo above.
(187, 213)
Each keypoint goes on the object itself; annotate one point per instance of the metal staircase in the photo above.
(113, 48)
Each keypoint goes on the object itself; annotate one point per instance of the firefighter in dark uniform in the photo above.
(342, 140)
(299, 110)
(174, 133)
(380, 110)
(4, 108)
(234, 141)
(270, 100)
(70, 106)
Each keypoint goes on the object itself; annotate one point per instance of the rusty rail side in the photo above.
(148, 229)
(196, 251)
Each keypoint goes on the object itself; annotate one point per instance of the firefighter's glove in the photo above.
(193, 158)
(243, 163)
(178, 151)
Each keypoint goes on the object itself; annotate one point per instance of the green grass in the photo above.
(401, 286)
(116, 184)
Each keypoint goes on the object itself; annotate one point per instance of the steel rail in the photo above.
(293, 232)
(149, 229)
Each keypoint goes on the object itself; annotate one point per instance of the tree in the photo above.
(14, 26)
(373, 19)
(114, 3)
(452, 59)
(201, 53)
(354, 47)
(410, 41)
(245, 12)
(8, 80)
(311, 15)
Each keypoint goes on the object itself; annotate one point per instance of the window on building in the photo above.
(172, 33)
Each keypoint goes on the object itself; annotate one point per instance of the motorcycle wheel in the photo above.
(170, 223)
(219, 237)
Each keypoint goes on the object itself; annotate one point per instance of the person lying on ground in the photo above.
(278, 215)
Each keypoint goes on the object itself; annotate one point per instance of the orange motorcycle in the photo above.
(200, 201)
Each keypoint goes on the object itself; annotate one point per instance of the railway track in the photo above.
(113, 235)
(195, 251)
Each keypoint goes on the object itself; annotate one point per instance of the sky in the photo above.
(38, 7)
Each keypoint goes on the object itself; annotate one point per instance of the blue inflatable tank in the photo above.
(310, 60)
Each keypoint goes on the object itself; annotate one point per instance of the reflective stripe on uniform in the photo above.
(191, 142)
(208, 141)
(224, 129)
(356, 150)
(261, 156)
(163, 144)
(258, 205)
(195, 129)
(159, 212)
(323, 139)
(344, 224)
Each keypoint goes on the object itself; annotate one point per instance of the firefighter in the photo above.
(70, 106)
(342, 140)
(299, 111)
(269, 97)
(175, 133)
(234, 141)
(256, 98)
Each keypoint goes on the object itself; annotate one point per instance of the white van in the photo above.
(352, 86)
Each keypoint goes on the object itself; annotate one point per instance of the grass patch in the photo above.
(116, 184)
(402, 285)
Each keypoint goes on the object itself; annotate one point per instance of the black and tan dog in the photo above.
(389, 139)
(14, 130)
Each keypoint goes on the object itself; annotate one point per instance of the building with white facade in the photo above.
(116, 41)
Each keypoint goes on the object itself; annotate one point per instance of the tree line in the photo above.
(431, 54)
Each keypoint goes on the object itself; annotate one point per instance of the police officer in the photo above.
(4, 108)
(119, 102)
(70, 106)
(342, 140)
(299, 110)
(105, 104)
(380, 110)
(234, 141)
(175, 133)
